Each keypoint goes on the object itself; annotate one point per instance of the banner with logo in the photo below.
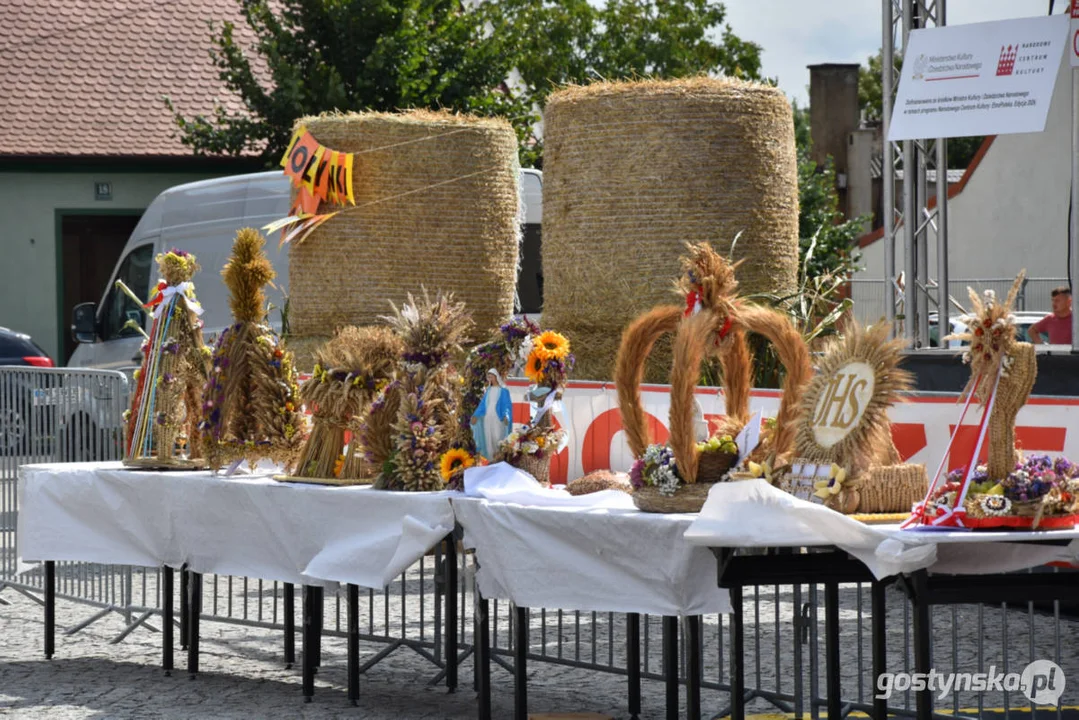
(989, 78)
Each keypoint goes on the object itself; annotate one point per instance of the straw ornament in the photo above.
(250, 402)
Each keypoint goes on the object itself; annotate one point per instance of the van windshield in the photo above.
(119, 308)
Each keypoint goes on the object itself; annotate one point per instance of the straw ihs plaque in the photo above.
(844, 409)
(842, 403)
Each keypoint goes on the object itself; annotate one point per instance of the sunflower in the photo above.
(534, 367)
(454, 461)
(551, 346)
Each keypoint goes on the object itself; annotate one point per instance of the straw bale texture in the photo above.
(436, 205)
(1012, 394)
(633, 171)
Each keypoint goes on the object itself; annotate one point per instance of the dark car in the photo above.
(15, 397)
(18, 349)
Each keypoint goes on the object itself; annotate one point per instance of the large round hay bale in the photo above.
(436, 206)
(633, 171)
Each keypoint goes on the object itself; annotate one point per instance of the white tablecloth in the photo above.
(589, 558)
(239, 525)
(753, 514)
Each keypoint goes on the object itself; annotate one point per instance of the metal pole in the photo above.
(943, 324)
(910, 214)
(888, 170)
(1073, 239)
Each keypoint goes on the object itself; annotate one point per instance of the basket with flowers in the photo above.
(1040, 493)
(548, 365)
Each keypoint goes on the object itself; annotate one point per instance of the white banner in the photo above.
(982, 79)
(1074, 36)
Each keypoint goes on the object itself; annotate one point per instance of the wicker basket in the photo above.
(539, 468)
(892, 488)
(712, 466)
(686, 499)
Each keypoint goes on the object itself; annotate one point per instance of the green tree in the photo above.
(821, 224)
(961, 150)
(310, 56)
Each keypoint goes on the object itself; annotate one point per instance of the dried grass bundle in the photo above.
(250, 402)
(637, 342)
(349, 371)
(430, 388)
(689, 349)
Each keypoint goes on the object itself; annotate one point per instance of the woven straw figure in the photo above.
(162, 428)
(427, 393)
(349, 371)
(712, 322)
(251, 403)
(995, 352)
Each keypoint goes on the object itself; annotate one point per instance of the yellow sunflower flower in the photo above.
(534, 367)
(551, 346)
(453, 461)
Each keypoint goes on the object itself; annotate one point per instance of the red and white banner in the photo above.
(921, 427)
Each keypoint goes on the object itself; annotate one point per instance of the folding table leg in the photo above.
(693, 667)
(922, 654)
(449, 560)
(320, 611)
(166, 619)
(831, 650)
(194, 609)
(183, 606)
(670, 664)
(738, 652)
(880, 657)
(353, 593)
(482, 655)
(290, 625)
(520, 665)
(308, 673)
(633, 663)
(50, 609)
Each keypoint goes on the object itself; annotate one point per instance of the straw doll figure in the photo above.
(251, 403)
(162, 429)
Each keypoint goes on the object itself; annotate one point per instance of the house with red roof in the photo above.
(87, 142)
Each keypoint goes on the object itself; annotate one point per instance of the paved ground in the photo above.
(243, 675)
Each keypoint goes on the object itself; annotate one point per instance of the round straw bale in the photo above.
(436, 206)
(634, 170)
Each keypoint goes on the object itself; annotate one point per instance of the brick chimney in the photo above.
(833, 115)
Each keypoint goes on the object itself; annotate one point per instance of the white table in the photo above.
(250, 525)
(582, 555)
(933, 566)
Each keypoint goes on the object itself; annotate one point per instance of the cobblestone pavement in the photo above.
(243, 675)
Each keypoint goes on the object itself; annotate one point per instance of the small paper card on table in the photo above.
(802, 479)
(749, 438)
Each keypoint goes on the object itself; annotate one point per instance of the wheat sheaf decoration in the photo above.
(845, 406)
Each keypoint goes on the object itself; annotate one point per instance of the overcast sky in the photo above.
(797, 33)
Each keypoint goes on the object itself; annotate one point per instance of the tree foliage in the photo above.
(492, 58)
(821, 224)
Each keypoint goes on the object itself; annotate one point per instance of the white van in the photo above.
(203, 218)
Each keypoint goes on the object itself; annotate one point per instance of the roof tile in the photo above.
(89, 69)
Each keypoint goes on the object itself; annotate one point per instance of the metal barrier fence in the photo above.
(78, 417)
(1034, 295)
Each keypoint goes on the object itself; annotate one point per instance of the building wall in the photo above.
(28, 235)
(1013, 211)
